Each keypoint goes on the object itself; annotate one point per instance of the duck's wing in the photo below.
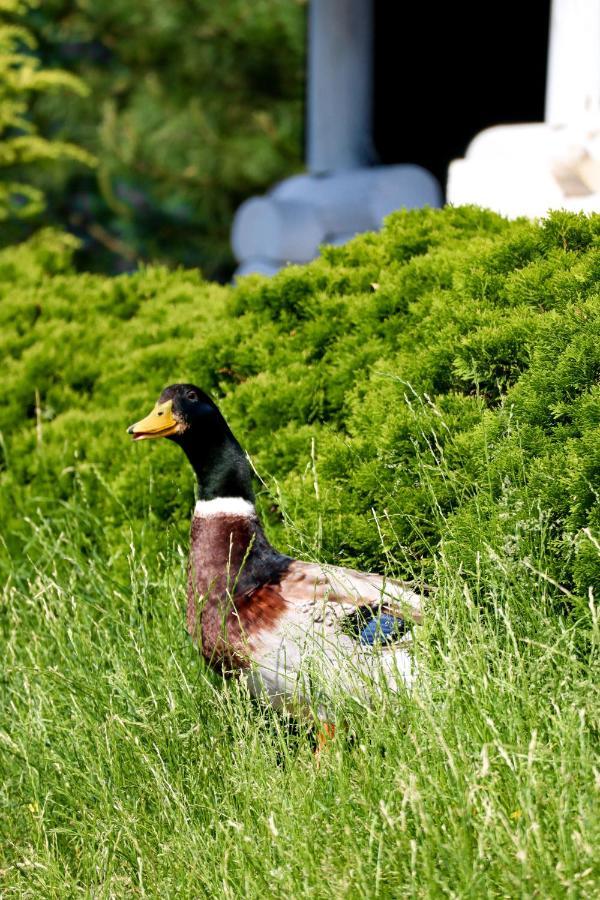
(348, 590)
(356, 606)
(369, 589)
(352, 628)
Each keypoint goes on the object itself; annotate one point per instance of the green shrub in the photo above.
(436, 384)
(421, 399)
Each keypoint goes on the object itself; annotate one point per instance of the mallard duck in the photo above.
(298, 631)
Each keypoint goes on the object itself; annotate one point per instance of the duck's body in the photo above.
(282, 621)
(298, 631)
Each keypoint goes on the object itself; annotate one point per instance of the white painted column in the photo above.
(573, 81)
(343, 193)
(340, 85)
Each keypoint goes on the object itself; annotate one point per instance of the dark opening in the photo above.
(443, 72)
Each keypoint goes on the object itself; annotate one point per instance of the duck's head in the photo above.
(186, 415)
(181, 410)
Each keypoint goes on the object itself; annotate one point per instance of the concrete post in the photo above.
(573, 82)
(344, 192)
(340, 85)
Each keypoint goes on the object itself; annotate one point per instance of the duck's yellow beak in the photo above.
(159, 423)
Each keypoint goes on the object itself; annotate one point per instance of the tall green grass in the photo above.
(423, 402)
(128, 769)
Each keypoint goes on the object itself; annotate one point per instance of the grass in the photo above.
(446, 420)
(128, 769)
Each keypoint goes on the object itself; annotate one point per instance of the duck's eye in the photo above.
(191, 395)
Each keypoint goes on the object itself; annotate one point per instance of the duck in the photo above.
(302, 633)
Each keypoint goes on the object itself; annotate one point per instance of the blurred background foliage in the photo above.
(193, 107)
(22, 77)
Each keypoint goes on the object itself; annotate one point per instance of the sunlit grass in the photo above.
(129, 769)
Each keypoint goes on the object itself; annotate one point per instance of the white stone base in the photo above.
(529, 169)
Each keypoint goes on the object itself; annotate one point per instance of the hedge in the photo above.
(435, 385)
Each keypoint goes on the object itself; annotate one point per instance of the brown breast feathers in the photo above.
(233, 587)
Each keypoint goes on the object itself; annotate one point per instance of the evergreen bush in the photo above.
(421, 400)
(433, 385)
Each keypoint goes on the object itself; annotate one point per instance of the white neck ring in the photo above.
(224, 506)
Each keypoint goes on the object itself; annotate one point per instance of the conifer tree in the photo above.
(195, 106)
(21, 76)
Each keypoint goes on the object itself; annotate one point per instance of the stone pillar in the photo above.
(573, 81)
(344, 193)
(340, 85)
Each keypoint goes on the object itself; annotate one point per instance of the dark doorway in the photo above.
(445, 71)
